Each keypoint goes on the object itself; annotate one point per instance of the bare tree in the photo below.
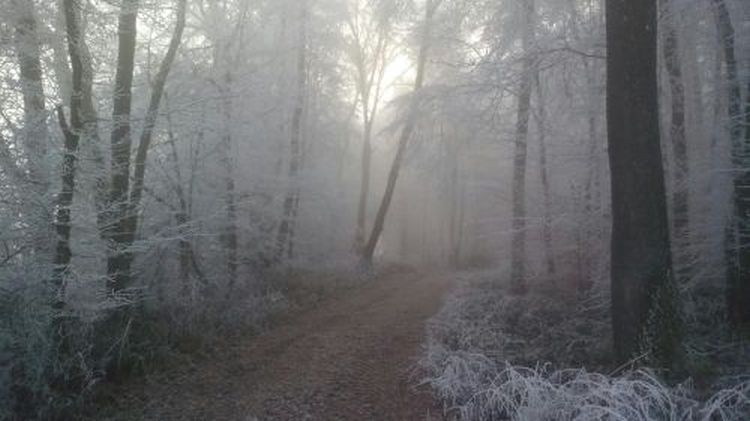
(284, 238)
(124, 199)
(411, 120)
(35, 133)
(118, 259)
(368, 52)
(518, 247)
(72, 132)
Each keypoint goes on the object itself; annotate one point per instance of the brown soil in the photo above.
(351, 358)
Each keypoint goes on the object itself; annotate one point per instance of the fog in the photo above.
(174, 168)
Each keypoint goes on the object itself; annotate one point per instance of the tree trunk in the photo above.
(644, 311)
(35, 133)
(411, 121)
(183, 217)
(119, 259)
(738, 232)
(144, 144)
(90, 134)
(71, 132)
(284, 234)
(126, 214)
(677, 134)
(230, 230)
(364, 190)
(367, 81)
(544, 170)
(518, 246)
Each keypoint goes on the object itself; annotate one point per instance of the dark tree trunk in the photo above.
(144, 144)
(411, 121)
(284, 235)
(738, 232)
(119, 259)
(518, 245)
(71, 131)
(364, 190)
(681, 187)
(126, 214)
(90, 135)
(644, 312)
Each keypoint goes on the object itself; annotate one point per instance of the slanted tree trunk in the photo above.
(144, 144)
(411, 121)
(118, 258)
(284, 233)
(364, 191)
(678, 138)
(125, 222)
(644, 309)
(738, 232)
(370, 84)
(518, 245)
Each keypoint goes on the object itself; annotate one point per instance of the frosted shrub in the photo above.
(484, 353)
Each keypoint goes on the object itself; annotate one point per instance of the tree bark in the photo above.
(644, 311)
(126, 214)
(118, 259)
(738, 232)
(144, 144)
(678, 137)
(411, 121)
(72, 132)
(518, 246)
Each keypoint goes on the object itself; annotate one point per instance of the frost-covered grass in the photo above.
(494, 356)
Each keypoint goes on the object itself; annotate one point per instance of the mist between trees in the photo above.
(164, 165)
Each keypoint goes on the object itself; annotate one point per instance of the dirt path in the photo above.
(349, 359)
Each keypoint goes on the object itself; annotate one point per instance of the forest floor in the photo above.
(351, 357)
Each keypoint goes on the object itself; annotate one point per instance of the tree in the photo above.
(35, 133)
(677, 134)
(738, 231)
(119, 259)
(518, 246)
(368, 52)
(285, 235)
(124, 199)
(409, 125)
(72, 133)
(644, 315)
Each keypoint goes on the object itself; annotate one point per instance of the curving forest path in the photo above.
(350, 358)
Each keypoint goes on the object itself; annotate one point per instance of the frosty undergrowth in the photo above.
(492, 356)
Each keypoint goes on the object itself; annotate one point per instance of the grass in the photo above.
(491, 355)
